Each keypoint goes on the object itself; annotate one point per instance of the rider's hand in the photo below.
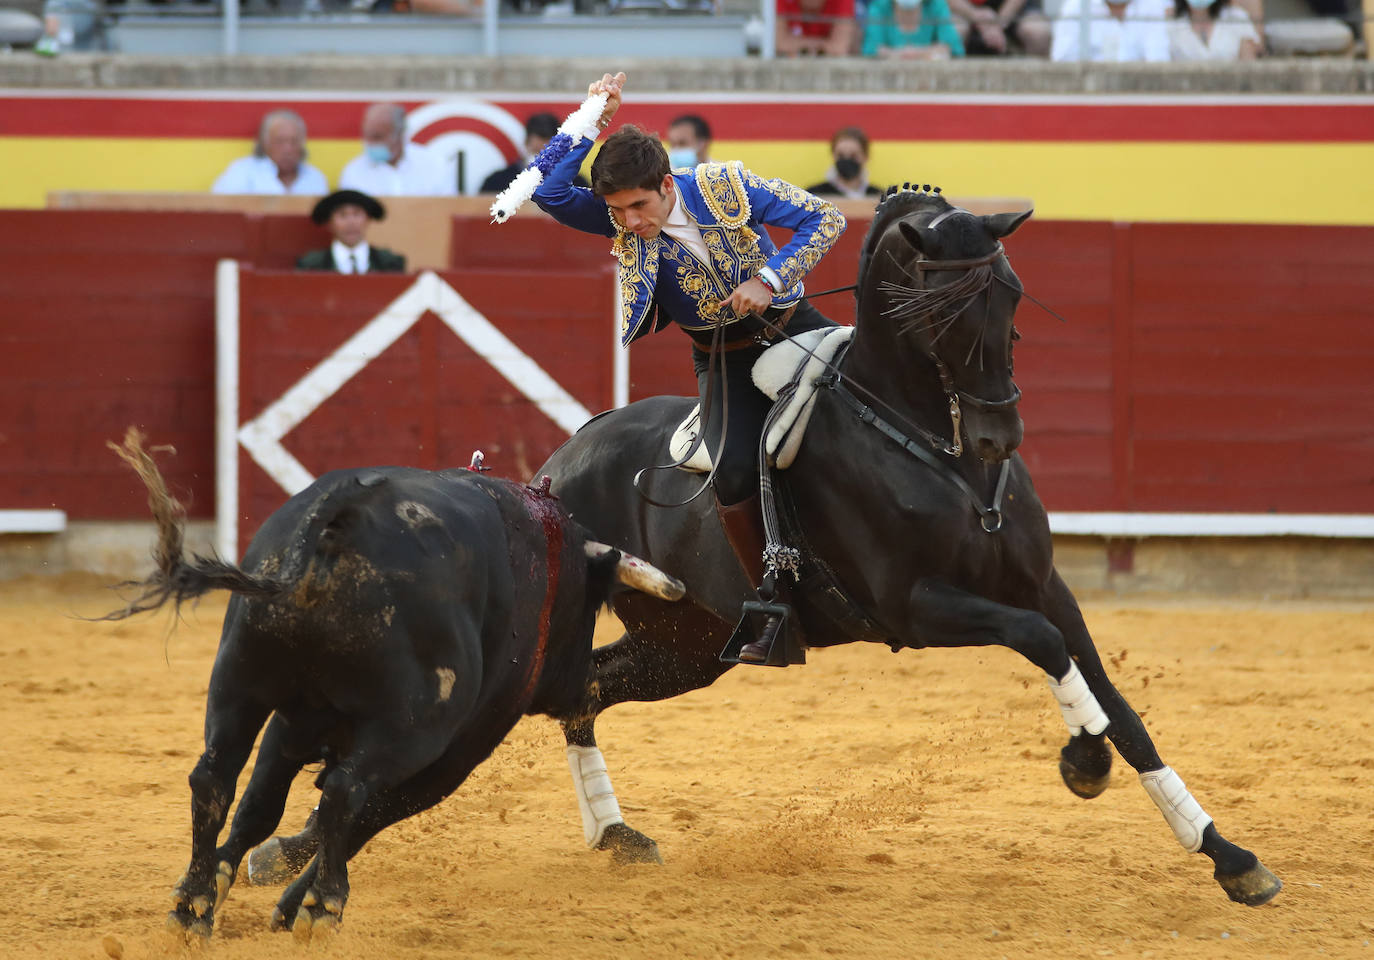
(751, 296)
(611, 86)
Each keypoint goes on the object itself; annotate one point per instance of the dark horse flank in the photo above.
(908, 489)
(394, 624)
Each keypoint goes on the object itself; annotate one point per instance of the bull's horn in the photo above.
(640, 574)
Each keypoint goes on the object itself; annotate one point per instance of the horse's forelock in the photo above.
(894, 206)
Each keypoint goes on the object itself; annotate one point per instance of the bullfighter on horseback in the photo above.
(693, 251)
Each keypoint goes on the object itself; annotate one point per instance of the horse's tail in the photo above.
(177, 578)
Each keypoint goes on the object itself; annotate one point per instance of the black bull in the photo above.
(395, 625)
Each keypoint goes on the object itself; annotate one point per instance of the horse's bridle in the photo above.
(923, 266)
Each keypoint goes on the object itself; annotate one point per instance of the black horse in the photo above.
(909, 502)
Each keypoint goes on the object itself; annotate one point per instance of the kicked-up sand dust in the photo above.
(864, 805)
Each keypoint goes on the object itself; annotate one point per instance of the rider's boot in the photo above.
(743, 524)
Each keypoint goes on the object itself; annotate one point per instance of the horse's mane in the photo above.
(895, 204)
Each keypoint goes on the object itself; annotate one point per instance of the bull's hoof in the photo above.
(190, 916)
(1086, 766)
(190, 928)
(269, 866)
(224, 879)
(1254, 887)
(628, 845)
(317, 917)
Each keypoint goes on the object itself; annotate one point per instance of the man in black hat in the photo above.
(347, 213)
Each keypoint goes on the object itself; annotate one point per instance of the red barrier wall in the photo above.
(1210, 368)
(428, 400)
(107, 320)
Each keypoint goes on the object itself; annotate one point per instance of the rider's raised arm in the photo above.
(816, 225)
(569, 204)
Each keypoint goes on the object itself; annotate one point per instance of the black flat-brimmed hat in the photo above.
(326, 207)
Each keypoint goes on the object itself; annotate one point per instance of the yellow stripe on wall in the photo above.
(37, 165)
(1308, 183)
(1311, 183)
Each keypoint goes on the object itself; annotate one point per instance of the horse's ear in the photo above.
(1005, 224)
(922, 238)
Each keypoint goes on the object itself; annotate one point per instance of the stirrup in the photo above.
(782, 651)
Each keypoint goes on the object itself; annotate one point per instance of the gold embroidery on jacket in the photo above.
(797, 265)
(697, 283)
(722, 190)
(635, 274)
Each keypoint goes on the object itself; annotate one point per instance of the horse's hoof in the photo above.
(267, 865)
(1085, 764)
(1254, 887)
(1081, 784)
(628, 845)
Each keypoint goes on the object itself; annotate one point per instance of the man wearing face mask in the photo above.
(689, 141)
(389, 165)
(539, 130)
(849, 175)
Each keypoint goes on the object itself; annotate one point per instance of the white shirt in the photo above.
(684, 230)
(346, 257)
(1143, 35)
(259, 175)
(419, 173)
(1228, 31)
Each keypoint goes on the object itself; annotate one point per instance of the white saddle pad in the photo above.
(803, 358)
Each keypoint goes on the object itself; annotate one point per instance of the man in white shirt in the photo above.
(1128, 31)
(389, 166)
(278, 162)
(347, 214)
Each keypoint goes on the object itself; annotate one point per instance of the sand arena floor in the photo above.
(865, 805)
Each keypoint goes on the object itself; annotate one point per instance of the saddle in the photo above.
(799, 360)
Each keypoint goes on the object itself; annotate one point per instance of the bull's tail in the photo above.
(177, 578)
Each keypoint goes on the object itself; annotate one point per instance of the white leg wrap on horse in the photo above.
(595, 796)
(1080, 708)
(1184, 815)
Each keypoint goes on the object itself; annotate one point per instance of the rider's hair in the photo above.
(630, 159)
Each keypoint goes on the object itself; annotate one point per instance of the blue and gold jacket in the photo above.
(730, 206)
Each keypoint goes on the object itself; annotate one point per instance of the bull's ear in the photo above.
(1005, 224)
(922, 238)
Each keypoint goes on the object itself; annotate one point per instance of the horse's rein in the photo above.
(955, 447)
(715, 355)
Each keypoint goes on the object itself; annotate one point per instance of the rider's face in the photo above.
(642, 212)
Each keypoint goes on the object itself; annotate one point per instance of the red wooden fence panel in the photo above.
(106, 320)
(428, 400)
(1250, 369)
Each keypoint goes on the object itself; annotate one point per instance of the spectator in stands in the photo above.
(1119, 31)
(848, 175)
(539, 130)
(689, 141)
(911, 30)
(1211, 31)
(822, 28)
(986, 26)
(278, 161)
(389, 165)
(347, 214)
